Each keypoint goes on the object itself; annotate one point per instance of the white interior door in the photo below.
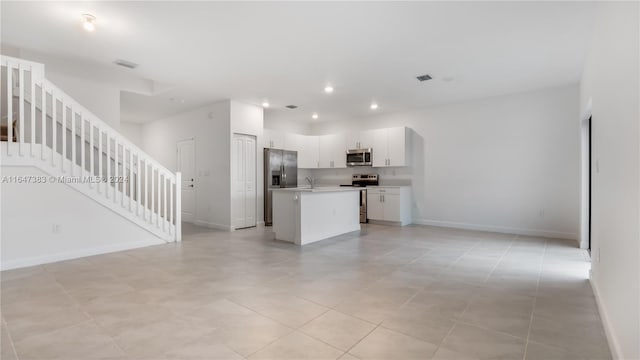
(187, 166)
(243, 197)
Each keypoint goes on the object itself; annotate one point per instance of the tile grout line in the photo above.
(533, 308)
(13, 347)
(90, 318)
(455, 323)
(500, 259)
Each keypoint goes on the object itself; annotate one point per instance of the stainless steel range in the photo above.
(363, 180)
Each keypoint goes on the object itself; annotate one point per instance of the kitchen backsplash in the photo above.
(329, 177)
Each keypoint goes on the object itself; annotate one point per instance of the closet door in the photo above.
(243, 194)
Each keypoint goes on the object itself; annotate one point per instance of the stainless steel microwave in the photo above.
(359, 157)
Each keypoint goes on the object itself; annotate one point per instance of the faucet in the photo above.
(311, 181)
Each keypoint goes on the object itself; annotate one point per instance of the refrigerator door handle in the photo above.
(284, 177)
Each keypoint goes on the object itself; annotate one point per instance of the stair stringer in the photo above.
(147, 222)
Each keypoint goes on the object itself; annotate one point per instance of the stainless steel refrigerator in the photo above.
(280, 171)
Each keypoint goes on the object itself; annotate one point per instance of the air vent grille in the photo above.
(291, 107)
(127, 64)
(424, 77)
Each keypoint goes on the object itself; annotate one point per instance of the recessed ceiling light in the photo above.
(314, 116)
(328, 89)
(88, 22)
(373, 106)
(265, 104)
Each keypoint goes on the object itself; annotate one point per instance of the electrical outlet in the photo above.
(56, 228)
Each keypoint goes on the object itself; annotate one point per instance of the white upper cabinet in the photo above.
(293, 142)
(398, 140)
(273, 139)
(332, 151)
(308, 155)
(390, 147)
(359, 139)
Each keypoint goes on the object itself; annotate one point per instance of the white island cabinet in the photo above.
(303, 215)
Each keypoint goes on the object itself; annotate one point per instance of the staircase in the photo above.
(41, 126)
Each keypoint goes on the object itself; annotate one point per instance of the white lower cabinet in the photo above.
(389, 204)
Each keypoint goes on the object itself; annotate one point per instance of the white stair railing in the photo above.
(69, 138)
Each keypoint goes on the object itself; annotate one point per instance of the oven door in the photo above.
(359, 157)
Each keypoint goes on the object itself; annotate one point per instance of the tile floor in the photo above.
(388, 293)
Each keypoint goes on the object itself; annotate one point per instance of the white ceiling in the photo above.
(286, 52)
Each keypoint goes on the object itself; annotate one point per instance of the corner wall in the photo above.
(209, 127)
(609, 91)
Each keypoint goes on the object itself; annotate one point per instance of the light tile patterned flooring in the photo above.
(389, 293)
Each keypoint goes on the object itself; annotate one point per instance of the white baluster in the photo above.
(171, 185)
(164, 203)
(65, 114)
(82, 146)
(146, 187)
(130, 179)
(54, 128)
(152, 196)
(138, 178)
(21, 88)
(100, 172)
(9, 107)
(115, 170)
(108, 159)
(92, 170)
(178, 210)
(43, 107)
(32, 118)
(73, 141)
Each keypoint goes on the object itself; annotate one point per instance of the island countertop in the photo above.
(319, 189)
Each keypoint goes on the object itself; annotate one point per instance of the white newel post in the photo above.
(178, 206)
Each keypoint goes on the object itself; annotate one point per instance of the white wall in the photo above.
(101, 99)
(279, 120)
(506, 163)
(610, 83)
(133, 132)
(85, 227)
(209, 127)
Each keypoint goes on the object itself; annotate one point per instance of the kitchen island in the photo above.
(306, 215)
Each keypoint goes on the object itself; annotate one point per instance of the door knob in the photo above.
(191, 185)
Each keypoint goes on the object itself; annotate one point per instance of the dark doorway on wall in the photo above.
(589, 145)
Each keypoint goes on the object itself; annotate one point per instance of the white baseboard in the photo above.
(211, 225)
(498, 229)
(46, 259)
(614, 346)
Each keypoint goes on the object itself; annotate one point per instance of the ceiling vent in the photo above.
(424, 77)
(127, 64)
(291, 107)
